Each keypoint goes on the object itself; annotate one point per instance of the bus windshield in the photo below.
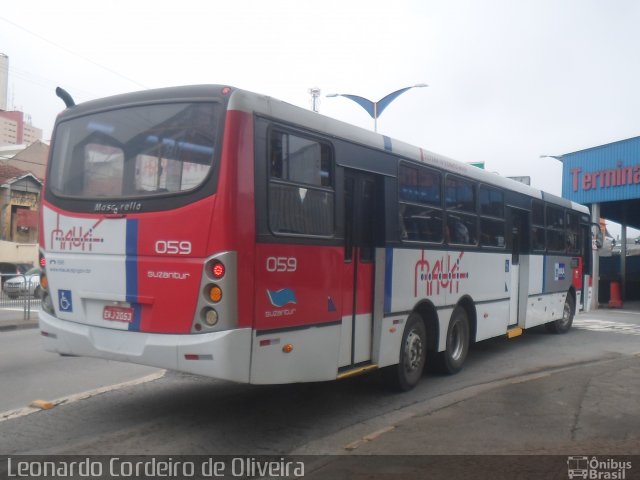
(135, 152)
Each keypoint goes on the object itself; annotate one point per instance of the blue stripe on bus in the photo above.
(388, 275)
(134, 326)
(131, 272)
(387, 143)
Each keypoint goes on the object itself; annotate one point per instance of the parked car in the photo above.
(9, 270)
(16, 286)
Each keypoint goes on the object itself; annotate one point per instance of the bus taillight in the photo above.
(217, 299)
(45, 294)
(215, 294)
(210, 317)
(217, 270)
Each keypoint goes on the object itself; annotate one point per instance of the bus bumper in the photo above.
(225, 355)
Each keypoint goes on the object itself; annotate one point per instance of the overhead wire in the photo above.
(71, 52)
(42, 81)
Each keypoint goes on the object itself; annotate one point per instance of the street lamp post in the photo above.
(315, 94)
(375, 109)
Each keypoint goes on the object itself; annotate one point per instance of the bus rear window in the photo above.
(135, 152)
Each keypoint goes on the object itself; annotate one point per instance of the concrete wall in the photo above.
(19, 252)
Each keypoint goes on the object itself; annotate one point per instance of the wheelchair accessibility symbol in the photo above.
(65, 303)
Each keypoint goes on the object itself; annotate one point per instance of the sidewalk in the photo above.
(588, 409)
(10, 320)
(534, 426)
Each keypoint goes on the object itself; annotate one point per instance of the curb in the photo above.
(40, 405)
(17, 325)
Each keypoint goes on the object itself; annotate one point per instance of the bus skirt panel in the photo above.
(224, 355)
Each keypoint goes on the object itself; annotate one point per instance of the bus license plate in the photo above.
(118, 314)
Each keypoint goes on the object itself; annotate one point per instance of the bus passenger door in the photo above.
(358, 272)
(519, 291)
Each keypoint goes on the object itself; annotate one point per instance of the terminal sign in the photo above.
(607, 178)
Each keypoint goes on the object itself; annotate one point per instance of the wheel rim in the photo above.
(413, 352)
(457, 341)
(566, 313)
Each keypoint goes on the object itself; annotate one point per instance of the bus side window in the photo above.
(301, 194)
(537, 238)
(573, 233)
(493, 232)
(538, 241)
(492, 224)
(462, 229)
(420, 210)
(555, 223)
(420, 223)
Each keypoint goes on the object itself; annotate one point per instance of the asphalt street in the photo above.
(550, 398)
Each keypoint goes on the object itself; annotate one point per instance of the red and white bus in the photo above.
(220, 232)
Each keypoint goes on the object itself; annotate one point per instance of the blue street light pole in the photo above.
(375, 109)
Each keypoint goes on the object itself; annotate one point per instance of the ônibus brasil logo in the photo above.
(597, 469)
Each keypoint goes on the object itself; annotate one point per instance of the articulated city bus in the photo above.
(224, 233)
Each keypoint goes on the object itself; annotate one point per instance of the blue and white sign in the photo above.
(65, 301)
(559, 271)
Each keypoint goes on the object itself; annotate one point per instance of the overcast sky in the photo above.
(508, 80)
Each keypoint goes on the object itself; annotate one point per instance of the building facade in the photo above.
(32, 158)
(607, 179)
(4, 80)
(15, 130)
(19, 204)
(23, 160)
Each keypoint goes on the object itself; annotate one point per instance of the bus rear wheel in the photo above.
(563, 325)
(452, 359)
(413, 355)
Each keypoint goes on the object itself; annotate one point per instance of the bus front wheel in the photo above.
(413, 355)
(452, 359)
(563, 325)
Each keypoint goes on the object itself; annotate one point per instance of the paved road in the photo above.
(29, 373)
(183, 414)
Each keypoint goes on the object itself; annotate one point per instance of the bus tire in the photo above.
(563, 325)
(452, 359)
(413, 355)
